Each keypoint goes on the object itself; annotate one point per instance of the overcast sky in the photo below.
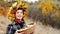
(31, 0)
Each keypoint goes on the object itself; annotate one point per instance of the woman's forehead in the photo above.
(19, 10)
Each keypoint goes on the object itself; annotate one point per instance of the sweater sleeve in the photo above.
(9, 30)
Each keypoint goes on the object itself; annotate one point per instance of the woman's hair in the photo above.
(18, 9)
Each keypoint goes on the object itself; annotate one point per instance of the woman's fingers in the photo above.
(18, 32)
(21, 33)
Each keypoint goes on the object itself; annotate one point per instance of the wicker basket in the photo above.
(28, 30)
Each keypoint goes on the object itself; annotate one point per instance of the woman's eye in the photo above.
(22, 12)
(17, 12)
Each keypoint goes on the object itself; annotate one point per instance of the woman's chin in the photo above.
(19, 18)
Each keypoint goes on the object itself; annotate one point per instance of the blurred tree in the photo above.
(51, 13)
(2, 11)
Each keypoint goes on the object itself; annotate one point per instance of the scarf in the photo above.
(19, 21)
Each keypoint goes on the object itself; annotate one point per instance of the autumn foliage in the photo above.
(14, 7)
(50, 12)
(2, 11)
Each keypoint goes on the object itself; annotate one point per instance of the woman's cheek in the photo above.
(19, 16)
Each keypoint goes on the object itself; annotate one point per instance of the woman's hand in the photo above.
(18, 32)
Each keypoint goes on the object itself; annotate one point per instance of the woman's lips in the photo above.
(19, 16)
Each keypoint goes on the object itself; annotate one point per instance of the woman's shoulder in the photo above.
(11, 24)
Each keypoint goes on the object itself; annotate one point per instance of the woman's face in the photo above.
(19, 14)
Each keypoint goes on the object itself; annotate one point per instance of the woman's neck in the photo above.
(18, 20)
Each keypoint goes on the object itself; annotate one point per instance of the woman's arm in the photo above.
(9, 30)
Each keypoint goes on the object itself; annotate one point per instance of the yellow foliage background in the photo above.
(21, 5)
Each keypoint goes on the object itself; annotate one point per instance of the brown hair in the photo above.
(18, 9)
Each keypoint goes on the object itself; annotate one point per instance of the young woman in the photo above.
(18, 23)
